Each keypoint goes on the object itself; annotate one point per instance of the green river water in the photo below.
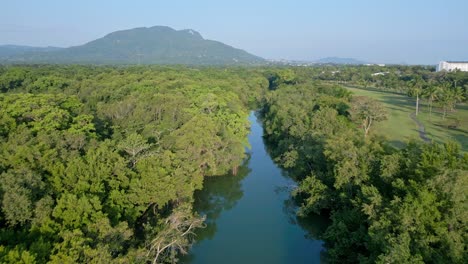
(251, 217)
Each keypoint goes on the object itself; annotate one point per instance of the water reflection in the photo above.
(314, 224)
(251, 217)
(220, 193)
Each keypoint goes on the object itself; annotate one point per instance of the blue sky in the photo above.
(411, 31)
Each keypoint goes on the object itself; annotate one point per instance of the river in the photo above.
(251, 217)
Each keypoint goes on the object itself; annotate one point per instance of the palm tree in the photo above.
(416, 89)
(458, 96)
(432, 94)
(446, 99)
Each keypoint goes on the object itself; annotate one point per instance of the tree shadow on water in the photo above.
(219, 193)
(314, 224)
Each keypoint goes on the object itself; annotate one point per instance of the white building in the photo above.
(380, 73)
(453, 65)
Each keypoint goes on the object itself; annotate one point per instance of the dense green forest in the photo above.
(100, 164)
(386, 205)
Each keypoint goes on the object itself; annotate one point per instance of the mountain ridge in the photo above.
(142, 45)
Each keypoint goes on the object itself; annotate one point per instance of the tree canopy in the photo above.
(386, 205)
(100, 164)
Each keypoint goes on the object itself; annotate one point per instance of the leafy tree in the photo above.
(176, 236)
(134, 145)
(432, 94)
(449, 97)
(13, 78)
(417, 85)
(367, 111)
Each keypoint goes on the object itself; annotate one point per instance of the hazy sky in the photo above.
(389, 31)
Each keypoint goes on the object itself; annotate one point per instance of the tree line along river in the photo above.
(251, 217)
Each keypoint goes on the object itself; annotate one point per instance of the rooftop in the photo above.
(456, 61)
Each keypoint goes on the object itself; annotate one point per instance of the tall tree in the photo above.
(134, 145)
(431, 93)
(367, 111)
(176, 236)
(458, 96)
(417, 84)
(448, 98)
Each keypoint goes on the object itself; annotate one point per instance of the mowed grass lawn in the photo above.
(399, 128)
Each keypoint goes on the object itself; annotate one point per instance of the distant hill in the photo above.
(154, 45)
(337, 60)
(13, 50)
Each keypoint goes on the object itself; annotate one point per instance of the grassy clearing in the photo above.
(399, 128)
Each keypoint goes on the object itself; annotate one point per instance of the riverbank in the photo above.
(251, 217)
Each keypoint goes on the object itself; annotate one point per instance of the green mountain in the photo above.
(154, 45)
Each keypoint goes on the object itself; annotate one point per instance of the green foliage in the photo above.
(16, 255)
(386, 205)
(92, 158)
(176, 236)
(366, 111)
(20, 190)
(99, 164)
(12, 79)
(316, 193)
(48, 84)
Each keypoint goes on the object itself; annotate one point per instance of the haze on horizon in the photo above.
(414, 32)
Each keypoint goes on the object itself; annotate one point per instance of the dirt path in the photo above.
(421, 129)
